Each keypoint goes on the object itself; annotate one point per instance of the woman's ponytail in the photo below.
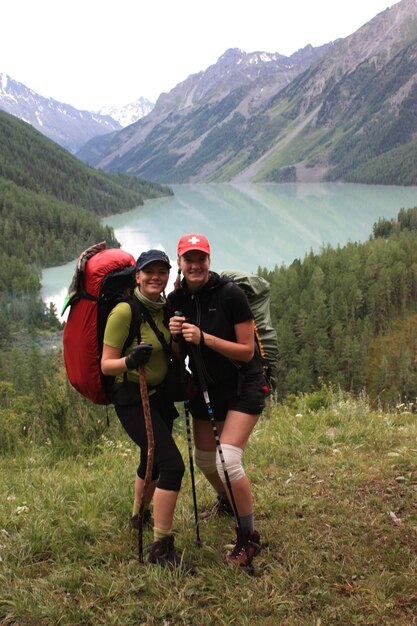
(177, 283)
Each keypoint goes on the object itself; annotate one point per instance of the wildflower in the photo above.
(22, 509)
(397, 521)
(11, 498)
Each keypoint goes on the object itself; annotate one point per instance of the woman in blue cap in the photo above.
(152, 273)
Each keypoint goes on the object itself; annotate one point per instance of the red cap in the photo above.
(193, 242)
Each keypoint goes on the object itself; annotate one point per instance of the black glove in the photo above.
(139, 356)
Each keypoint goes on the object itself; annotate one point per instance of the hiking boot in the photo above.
(147, 520)
(247, 544)
(221, 507)
(163, 553)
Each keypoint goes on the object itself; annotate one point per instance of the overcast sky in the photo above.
(92, 53)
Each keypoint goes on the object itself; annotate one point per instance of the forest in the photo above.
(347, 315)
(50, 209)
(346, 319)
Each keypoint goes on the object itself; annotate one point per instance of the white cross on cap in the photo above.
(194, 240)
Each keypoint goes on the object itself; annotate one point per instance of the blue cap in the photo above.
(149, 257)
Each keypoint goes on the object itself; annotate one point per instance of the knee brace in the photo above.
(205, 461)
(233, 460)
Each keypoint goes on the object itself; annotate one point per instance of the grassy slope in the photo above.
(335, 498)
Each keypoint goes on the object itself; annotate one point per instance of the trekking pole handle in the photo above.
(190, 321)
(177, 338)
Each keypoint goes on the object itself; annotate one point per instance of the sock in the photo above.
(136, 507)
(159, 533)
(247, 523)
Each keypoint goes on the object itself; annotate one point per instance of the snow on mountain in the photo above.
(64, 124)
(127, 114)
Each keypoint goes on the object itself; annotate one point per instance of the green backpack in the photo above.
(257, 290)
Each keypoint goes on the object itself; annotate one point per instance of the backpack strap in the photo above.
(148, 318)
(134, 328)
(259, 350)
(140, 313)
(135, 322)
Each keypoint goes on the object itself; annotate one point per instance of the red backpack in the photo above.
(103, 277)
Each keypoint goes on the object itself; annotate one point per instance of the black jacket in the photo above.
(216, 308)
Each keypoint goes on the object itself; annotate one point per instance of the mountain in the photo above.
(92, 151)
(64, 124)
(345, 111)
(352, 116)
(181, 118)
(127, 114)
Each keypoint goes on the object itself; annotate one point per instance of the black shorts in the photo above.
(246, 396)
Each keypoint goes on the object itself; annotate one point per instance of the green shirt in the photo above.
(117, 331)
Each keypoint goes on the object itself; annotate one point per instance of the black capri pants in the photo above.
(168, 467)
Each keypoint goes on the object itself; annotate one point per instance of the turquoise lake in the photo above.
(249, 225)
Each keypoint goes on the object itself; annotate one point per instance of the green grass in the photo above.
(336, 506)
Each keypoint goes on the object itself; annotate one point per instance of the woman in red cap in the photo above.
(152, 273)
(216, 330)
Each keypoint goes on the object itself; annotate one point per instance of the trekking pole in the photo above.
(203, 385)
(190, 447)
(150, 456)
